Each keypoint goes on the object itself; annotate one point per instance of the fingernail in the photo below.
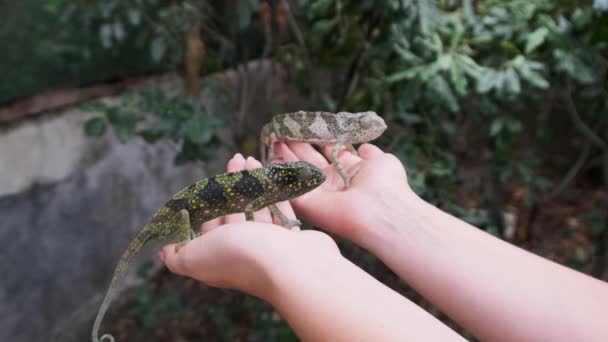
(238, 155)
(250, 159)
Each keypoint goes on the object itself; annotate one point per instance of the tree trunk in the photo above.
(193, 59)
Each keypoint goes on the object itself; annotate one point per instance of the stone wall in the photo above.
(70, 205)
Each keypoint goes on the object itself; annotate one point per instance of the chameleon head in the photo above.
(363, 126)
(293, 179)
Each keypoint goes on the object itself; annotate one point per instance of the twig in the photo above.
(580, 124)
(353, 72)
(300, 38)
(159, 26)
(574, 170)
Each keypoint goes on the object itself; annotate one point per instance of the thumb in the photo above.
(369, 151)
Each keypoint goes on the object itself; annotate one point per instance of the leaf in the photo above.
(118, 31)
(93, 106)
(459, 81)
(511, 82)
(134, 16)
(105, 34)
(324, 26)
(486, 81)
(404, 74)
(95, 127)
(409, 118)
(196, 129)
(158, 48)
(496, 126)
(535, 39)
(581, 18)
(443, 90)
(513, 125)
(407, 55)
(328, 101)
(244, 11)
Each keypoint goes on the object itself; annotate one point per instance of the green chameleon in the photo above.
(323, 128)
(233, 192)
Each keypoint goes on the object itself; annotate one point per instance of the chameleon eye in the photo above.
(367, 122)
(304, 173)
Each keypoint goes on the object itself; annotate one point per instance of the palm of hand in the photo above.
(378, 180)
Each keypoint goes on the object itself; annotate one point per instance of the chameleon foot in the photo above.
(287, 223)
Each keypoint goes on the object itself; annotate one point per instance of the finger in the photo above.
(304, 151)
(212, 224)
(236, 163)
(176, 262)
(284, 153)
(369, 151)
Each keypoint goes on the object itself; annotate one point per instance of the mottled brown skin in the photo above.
(234, 192)
(322, 128)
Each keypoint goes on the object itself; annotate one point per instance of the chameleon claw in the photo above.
(292, 224)
(180, 245)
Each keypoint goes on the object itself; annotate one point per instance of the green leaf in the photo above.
(93, 106)
(95, 127)
(197, 130)
(486, 81)
(324, 26)
(404, 74)
(409, 118)
(158, 48)
(496, 126)
(582, 17)
(459, 81)
(510, 82)
(407, 55)
(535, 39)
(444, 92)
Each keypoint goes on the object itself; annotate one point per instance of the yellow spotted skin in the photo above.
(233, 192)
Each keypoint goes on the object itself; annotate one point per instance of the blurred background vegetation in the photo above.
(498, 109)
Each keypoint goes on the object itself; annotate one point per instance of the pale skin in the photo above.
(495, 290)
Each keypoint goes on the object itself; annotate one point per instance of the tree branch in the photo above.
(580, 124)
(574, 170)
(300, 38)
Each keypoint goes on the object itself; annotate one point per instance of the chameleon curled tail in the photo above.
(143, 237)
(242, 191)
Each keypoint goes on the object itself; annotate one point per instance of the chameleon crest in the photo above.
(234, 192)
(323, 128)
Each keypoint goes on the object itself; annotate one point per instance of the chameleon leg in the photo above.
(339, 167)
(184, 229)
(287, 223)
(351, 148)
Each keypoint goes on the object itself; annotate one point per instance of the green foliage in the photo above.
(150, 307)
(47, 46)
(152, 115)
(432, 67)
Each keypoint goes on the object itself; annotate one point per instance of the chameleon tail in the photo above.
(142, 238)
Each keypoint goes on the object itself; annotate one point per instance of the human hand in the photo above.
(378, 189)
(247, 256)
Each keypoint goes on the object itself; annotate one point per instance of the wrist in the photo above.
(390, 220)
(307, 256)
